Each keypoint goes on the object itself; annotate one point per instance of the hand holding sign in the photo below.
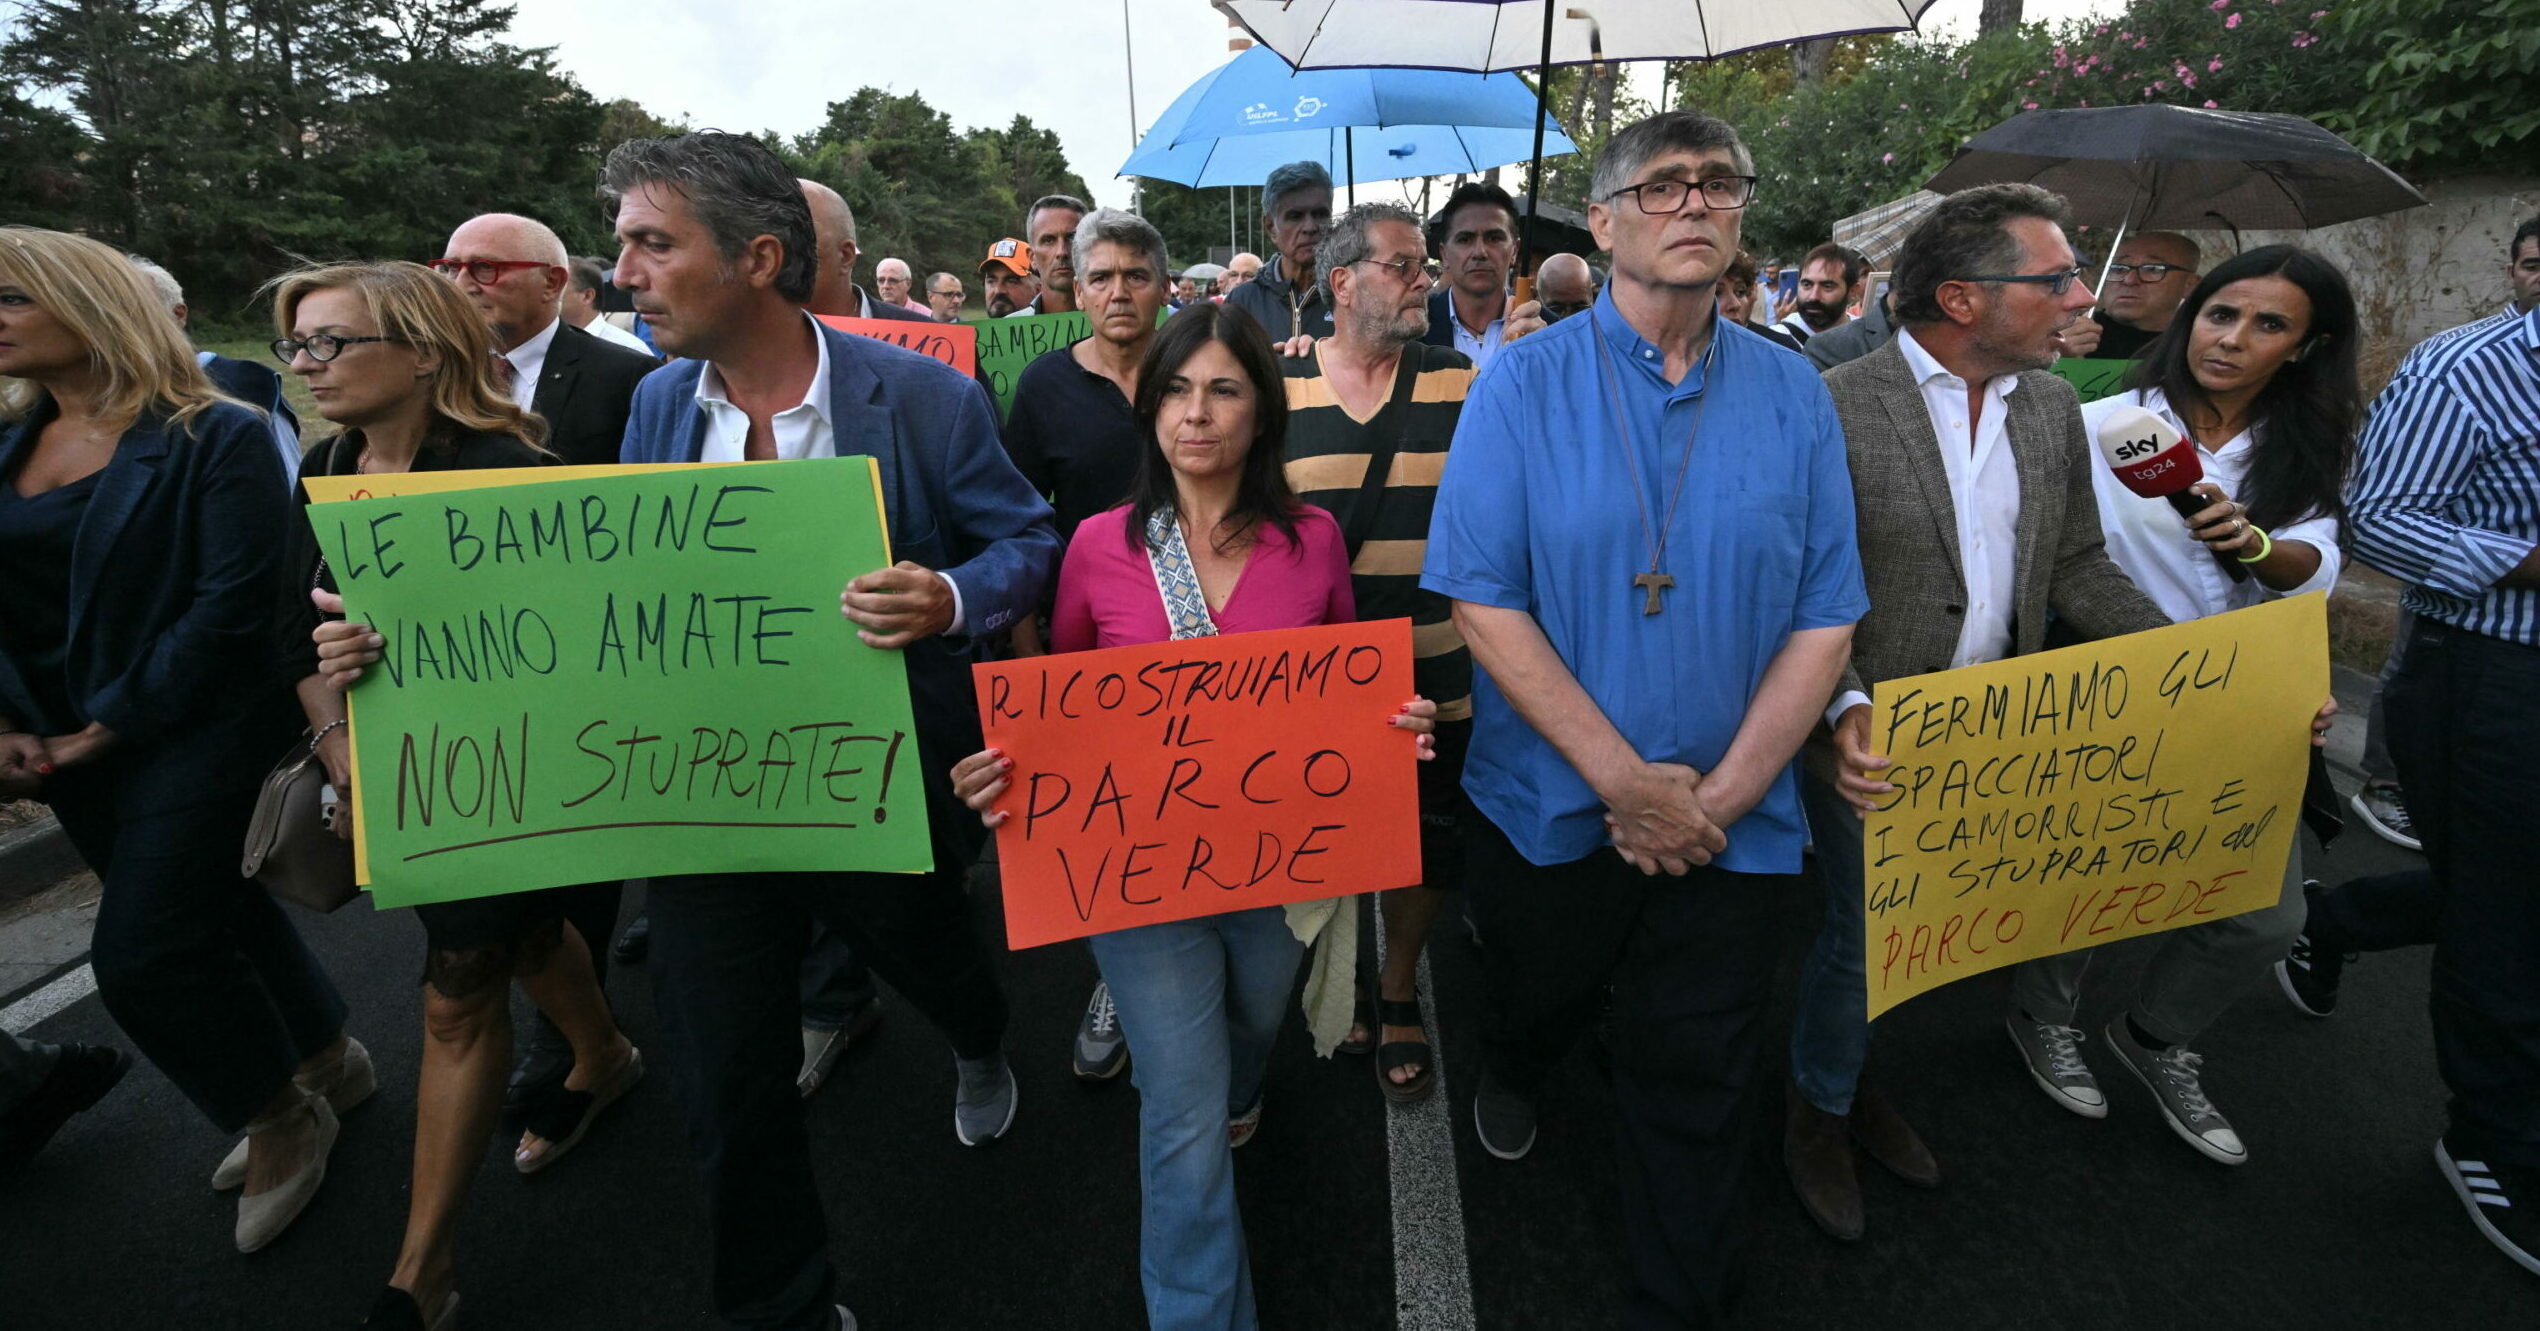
(896, 606)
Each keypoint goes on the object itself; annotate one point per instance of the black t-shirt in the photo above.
(1073, 436)
(36, 535)
(2118, 341)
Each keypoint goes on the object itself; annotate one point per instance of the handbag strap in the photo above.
(1185, 606)
(1371, 487)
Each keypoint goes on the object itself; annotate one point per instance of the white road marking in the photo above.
(66, 989)
(1432, 1283)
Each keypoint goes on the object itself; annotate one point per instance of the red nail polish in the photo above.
(44, 769)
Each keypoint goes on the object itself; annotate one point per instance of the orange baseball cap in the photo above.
(1014, 254)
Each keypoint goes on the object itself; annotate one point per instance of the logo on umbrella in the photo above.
(1308, 106)
(1260, 111)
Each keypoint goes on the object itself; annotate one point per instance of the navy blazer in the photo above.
(175, 576)
(1441, 320)
(954, 502)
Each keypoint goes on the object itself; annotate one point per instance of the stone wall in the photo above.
(2419, 272)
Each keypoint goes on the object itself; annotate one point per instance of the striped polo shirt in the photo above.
(1328, 452)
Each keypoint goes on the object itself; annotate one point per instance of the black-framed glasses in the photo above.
(1665, 198)
(1556, 311)
(2056, 284)
(2146, 272)
(483, 272)
(322, 347)
(1407, 269)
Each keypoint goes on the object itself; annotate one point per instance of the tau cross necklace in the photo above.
(1656, 579)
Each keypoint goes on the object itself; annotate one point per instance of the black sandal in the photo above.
(562, 1117)
(1391, 1054)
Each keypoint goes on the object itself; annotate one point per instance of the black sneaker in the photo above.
(81, 1076)
(2503, 1199)
(1503, 1119)
(2308, 974)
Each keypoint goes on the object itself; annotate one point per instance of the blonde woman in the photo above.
(139, 698)
(402, 362)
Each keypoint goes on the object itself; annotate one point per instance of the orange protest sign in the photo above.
(1199, 776)
(956, 345)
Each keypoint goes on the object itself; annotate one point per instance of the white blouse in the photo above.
(2149, 540)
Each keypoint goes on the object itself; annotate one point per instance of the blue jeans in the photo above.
(1830, 1033)
(1200, 1002)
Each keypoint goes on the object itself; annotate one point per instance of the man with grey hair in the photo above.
(892, 280)
(834, 291)
(582, 306)
(944, 297)
(1593, 573)
(1072, 432)
(1296, 206)
(1049, 228)
(1240, 269)
(245, 380)
(1371, 411)
(2148, 280)
(1977, 518)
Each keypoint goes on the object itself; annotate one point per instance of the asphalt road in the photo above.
(2045, 1219)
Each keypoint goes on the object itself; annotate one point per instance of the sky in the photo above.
(1061, 62)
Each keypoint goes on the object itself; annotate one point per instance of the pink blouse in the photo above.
(1107, 595)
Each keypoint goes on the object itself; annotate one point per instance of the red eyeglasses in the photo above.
(483, 272)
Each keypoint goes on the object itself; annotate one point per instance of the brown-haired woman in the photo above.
(139, 698)
(398, 358)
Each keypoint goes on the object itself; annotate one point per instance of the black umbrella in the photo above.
(2183, 168)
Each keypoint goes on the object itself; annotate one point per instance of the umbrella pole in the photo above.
(1349, 161)
(1534, 170)
(2099, 293)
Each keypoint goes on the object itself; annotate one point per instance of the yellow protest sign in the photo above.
(2059, 801)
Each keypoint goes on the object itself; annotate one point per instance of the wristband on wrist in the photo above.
(2266, 547)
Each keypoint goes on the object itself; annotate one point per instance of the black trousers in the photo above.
(726, 955)
(1690, 960)
(2377, 914)
(198, 965)
(2463, 729)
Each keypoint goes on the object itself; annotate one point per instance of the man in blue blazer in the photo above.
(719, 258)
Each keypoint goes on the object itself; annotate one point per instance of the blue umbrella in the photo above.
(1363, 125)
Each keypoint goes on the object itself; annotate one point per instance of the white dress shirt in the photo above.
(1478, 347)
(803, 430)
(1984, 491)
(529, 360)
(2149, 541)
(602, 329)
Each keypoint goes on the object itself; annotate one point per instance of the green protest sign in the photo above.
(639, 673)
(1007, 345)
(2093, 379)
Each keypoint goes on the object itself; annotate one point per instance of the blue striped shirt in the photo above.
(2446, 492)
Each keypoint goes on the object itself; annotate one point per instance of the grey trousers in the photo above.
(2199, 970)
(2378, 769)
(24, 1065)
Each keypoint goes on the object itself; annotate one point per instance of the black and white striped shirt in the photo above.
(2446, 491)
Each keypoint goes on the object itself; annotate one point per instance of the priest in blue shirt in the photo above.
(1646, 525)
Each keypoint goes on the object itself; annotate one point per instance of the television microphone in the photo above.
(2153, 460)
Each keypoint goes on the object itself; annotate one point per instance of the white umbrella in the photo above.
(1528, 34)
(1488, 36)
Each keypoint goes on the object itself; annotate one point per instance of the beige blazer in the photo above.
(1909, 526)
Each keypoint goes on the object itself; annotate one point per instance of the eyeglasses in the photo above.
(2145, 272)
(2056, 284)
(1555, 313)
(483, 272)
(1665, 198)
(322, 347)
(1404, 269)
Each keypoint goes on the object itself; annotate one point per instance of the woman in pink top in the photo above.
(1211, 541)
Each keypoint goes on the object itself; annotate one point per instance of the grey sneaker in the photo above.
(2385, 811)
(820, 1057)
(2176, 1086)
(983, 1104)
(846, 1320)
(1101, 1052)
(2053, 1055)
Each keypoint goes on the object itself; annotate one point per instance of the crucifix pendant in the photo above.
(1655, 582)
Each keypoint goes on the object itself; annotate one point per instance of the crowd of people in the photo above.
(1645, 635)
